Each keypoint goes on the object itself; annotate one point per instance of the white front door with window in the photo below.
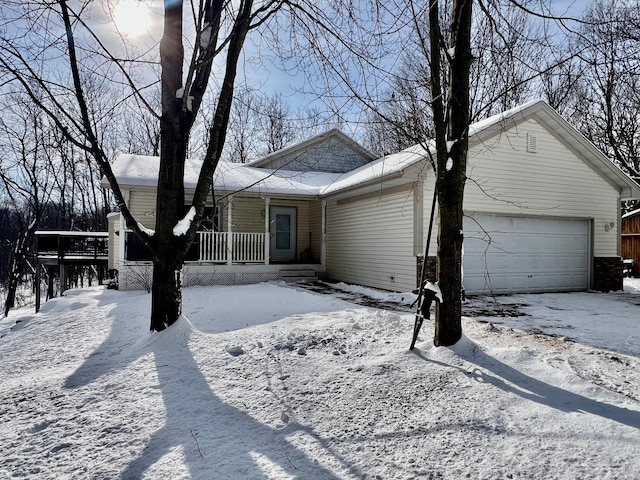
(283, 233)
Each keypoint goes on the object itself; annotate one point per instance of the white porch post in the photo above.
(323, 248)
(122, 226)
(267, 235)
(229, 231)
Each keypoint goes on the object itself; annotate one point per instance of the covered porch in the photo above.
(247, 229)
(245, 239)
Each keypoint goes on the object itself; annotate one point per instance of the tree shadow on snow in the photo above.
(211, 437)
(216, 439)
(492, 371)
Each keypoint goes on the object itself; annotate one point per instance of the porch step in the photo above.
(290, 276)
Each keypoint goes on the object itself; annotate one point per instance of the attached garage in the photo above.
(525, 254)
(541, 205)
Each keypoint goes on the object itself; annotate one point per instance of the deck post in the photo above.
(50, 275)
(38, 269)
(267, 236)
(63, 278)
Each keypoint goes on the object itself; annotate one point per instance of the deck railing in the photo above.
(244, 247)
(72, 245)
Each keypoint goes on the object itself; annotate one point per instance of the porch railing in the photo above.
(244, 247)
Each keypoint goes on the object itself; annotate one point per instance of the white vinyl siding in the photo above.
(427, 199)
(553, 182)
(370, 240)
(142, 205)
(247, 215)
(114, 241)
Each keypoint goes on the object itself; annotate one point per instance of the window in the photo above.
(211, 219)
(135, 250)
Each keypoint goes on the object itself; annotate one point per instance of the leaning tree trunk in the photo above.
(452, 149)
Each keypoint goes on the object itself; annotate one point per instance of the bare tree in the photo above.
(277, 128)
(26, 181)
(451, 118)
(51, 45)
(610, 102)
(242, 142)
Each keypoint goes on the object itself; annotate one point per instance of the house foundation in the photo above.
(607, 274)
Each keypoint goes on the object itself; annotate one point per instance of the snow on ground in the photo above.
(271, 382)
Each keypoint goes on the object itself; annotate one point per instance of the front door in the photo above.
(283, 233)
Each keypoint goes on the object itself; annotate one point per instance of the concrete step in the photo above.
(291, 276)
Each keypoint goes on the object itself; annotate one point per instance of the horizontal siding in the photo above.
(143, 207)
(302, 220)
(505, 178)
(247, 215)
(114, 243)
(426, 212)
(371, 240)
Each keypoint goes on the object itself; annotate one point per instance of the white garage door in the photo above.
(521, 254)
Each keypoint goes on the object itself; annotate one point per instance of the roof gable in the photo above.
(331, 151)
(553, 122)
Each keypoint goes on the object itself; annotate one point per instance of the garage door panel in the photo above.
(525, 254)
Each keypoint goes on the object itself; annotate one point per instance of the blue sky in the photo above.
(257, 65)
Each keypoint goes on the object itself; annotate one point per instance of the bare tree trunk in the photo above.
(166, 293)
(168, 258)
(169, 249)
(18, 262)
(452, 123)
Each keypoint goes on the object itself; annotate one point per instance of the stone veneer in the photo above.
(607, 273)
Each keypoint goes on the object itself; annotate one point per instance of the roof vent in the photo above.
(532, 143)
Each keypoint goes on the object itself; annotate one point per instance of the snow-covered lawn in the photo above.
(269, 381)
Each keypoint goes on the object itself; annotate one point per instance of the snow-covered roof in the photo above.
(233, 177)
(383, 167)
(142, 171)
(138, 170)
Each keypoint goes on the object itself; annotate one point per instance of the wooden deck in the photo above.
(62, 249)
